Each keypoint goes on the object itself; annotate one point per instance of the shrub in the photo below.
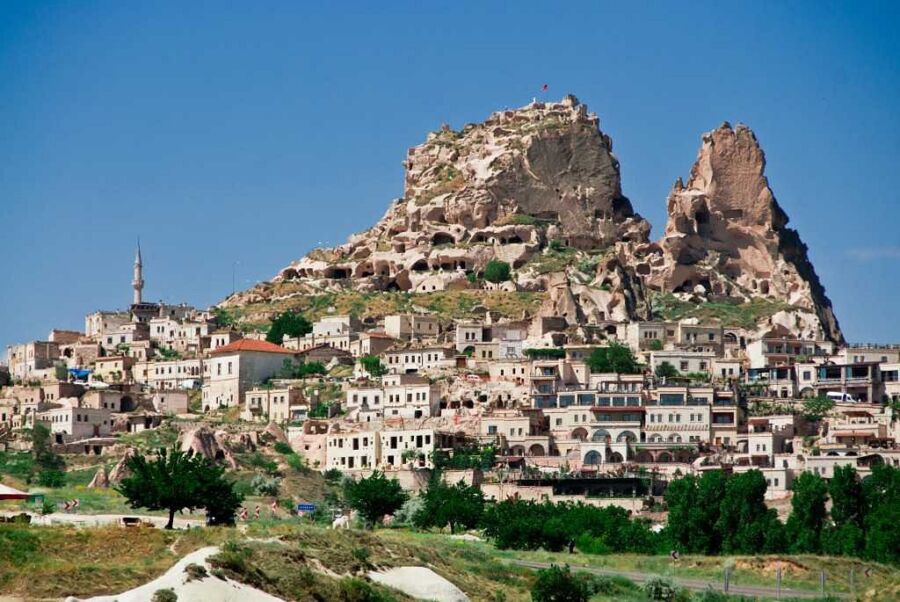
(614, 358)
(665, 370)
(362, 555)
(588, 544)
(557, 245)
(263, 486)
(372, 365)
(165, 595)
(404, 516)
(295, 461)
(710, 595)
(51, 478)
(496, 271)
(660, 589)
(333, 476)
(559, 585)
(196, 572)
(283, 448)
(258, 460)
(613, 586)
(353, 589)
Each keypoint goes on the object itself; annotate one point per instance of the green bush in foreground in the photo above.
(559, 585)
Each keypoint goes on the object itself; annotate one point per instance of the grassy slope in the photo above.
(446, 304)
(746, 315)
(296, 485)
(58, 561)
(311, 561)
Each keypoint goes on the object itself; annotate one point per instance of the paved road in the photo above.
(695, 584)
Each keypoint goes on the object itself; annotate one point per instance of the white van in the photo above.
(838, 397)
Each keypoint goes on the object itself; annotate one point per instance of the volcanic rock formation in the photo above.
(727, 237)
(539, 188)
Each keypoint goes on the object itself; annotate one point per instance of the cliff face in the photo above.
(539, 188)
(727, 237)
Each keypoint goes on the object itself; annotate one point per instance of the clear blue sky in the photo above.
(248, 132)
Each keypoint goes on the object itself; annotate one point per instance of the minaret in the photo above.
(138, 282)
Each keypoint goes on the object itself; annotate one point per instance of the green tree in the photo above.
(559, 585)
(614, 358)
(666, 370)
(173, 480)
(288, 323)
(457, 505)
(745, 524)
(693, 509)
(881, 496)
(224, 318)
(496, 271)
(290, 369)
(816, 408)
(845, 489)
(845, 536)
(375, 496)
(49, 464)
(804, 526)
(372, 365)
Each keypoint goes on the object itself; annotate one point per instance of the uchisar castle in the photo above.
(511, 299)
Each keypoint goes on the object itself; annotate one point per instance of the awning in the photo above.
(8, 493)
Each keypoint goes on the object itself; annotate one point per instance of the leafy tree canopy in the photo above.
(817, 408)
(666, 370)
(614, 358)
(288, 323)
(374, 496)
(173, 480)
(372, 365)
(457, 505)
(804, 527)
(496, 271)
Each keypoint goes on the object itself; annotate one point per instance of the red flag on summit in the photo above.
(545, 87)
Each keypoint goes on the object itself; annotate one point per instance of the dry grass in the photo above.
(52, 562)
(311, 559)
(446, 304)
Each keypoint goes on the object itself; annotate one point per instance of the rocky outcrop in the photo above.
(100, 480)
(104, 479)
(539, 188)
(727, 238)
(209, 444)
(503, 189)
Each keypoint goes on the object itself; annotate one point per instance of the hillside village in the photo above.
(510, 301)
(564, 420)
(508, 336)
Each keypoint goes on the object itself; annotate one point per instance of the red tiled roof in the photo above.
(255, 346)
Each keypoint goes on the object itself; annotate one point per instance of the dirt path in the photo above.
(694, 584)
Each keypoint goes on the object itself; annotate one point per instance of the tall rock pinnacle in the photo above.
(728, 236)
